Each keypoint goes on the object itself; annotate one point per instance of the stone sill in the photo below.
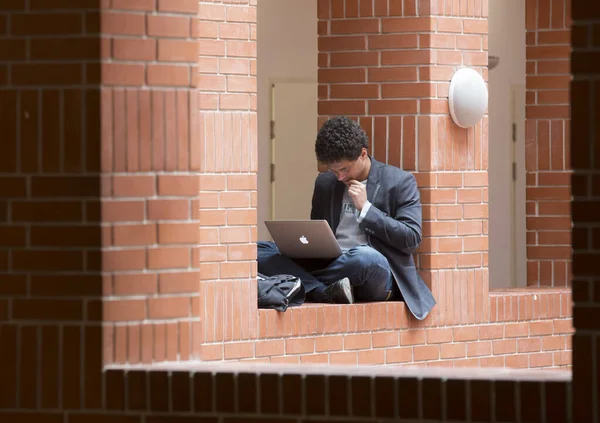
(441, 373)
(529, 291)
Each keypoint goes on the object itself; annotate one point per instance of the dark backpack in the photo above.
(280, 292)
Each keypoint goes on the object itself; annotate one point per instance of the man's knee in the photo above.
(266, 250)
(266, 245)
(368, 256)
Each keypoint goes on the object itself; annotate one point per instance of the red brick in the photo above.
(133, 186)
(172, 209)
(14, 236)
(541, 328)
(563, 326)
(399, 355)
(513, 330)
(437, 336)
(299, 345)
(528, 345)
(39, 260)
(167, 75)
(457, 350)
(237, 48)
(315, 359)
(123, 260)
(465, 334)
(270, 348)
(178, 282)
(541, 360)
(421, 24)
(240, 14)
(329, 343)
(134, 284)
(427, 352)
(44, 24)
(141, 235)
(134, 49)
(238, 350)
(168, 258)
(178, 185)
(124, 310)
(385, 339)
(475, 349)
(412, 337)
(123, 74)
(139, 5)
(168, 308)
(358, 341)
(504, 346)
(177, 50)
(371, 357)
(518, 361)
(122, 211)
(116, 23)
(168, 26)
(178, 6)
(550, 343)
(350, 357)
(178, 233)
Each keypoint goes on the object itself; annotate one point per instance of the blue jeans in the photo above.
(366, 268)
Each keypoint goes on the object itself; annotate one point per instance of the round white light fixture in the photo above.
(467, 97)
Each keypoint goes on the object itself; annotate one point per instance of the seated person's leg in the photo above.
(271, 263)
(368, 271)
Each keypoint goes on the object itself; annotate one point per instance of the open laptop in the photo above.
(304, 238)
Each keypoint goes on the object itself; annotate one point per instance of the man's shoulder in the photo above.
(325, 179)
(393, 173)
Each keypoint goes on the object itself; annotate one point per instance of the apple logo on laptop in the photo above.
(303, 239)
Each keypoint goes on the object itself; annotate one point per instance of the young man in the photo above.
(375, 212)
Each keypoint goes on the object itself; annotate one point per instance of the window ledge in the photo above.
(341, 370)
(322, 319)
(531, 290)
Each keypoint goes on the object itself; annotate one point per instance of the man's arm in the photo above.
(401, 231)
(316, 212)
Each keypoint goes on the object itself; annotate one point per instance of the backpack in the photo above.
(280, 292)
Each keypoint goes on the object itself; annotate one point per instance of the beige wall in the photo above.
(506, 40)
(287, 50)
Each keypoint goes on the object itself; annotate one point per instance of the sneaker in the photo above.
(340, 292)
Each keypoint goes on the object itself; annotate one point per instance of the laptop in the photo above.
(304, 239)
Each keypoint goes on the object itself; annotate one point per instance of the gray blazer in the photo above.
(392, 225)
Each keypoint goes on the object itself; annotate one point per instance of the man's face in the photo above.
(347, 170)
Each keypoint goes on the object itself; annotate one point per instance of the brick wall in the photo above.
(547, 144)
(228, 197)
(50, 287)
(390, 67)
(585, 161)
(150, 159)
(139, 202)
(50, 213)
(377, 52)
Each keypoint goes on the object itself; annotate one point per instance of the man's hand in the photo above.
(358, 194)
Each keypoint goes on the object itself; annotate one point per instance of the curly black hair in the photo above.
(340, 138)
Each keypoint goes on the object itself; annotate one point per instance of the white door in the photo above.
(507, 145)
(294, 106)
(519, 228)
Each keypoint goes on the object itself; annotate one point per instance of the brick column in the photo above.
(585, 161)
(547, 144)
(150, 161)
(50, 235)
(228, 142)
(389, 64)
